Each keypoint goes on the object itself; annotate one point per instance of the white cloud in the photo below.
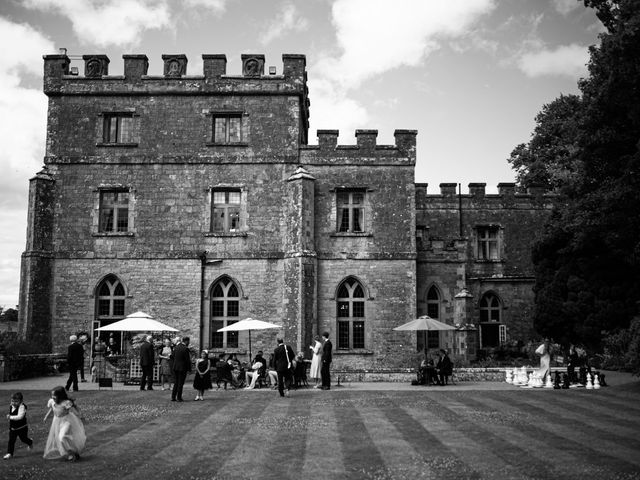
(566, 6)
(23, 114)
(567, 60)
(375, 37)
(287, 20)
(218, 7)
(109, 22)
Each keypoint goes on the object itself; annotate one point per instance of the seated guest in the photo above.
(444, 368)
(223, 372)
(258, 370)
(428, 374)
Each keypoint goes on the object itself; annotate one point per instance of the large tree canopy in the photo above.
(587, 149)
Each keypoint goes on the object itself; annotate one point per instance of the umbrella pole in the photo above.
(250, 362)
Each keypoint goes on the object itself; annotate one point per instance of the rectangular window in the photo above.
(488, 243)
(227, 129)
(358, 309)
(114, 211)
(118, 128)
(358, 334)
(232, 337)
(225, 211)
(502, 334)
(217, 338)
(433, 310)
(343, 309)
(343, 335)
(350, 209)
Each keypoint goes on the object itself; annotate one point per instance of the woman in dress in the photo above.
(66, 436)
(544, 350)
(202, 380)
(316, 360)
(165, 366)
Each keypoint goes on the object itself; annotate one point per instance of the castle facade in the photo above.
(199, 200)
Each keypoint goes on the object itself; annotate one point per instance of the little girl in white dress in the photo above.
(66, 437)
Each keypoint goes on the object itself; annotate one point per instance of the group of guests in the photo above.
(435, 372)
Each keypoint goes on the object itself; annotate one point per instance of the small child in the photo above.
(66, 437)
(202, 380)
(18, 427)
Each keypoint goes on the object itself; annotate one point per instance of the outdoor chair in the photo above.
(224, 375)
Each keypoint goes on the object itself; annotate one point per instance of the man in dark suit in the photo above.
(75, 359)
(282, 357)
(147, 360)
(181, 368)
(327, 347)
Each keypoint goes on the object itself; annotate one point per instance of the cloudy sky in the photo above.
(469, 75)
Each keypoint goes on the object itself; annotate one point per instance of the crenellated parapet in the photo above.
(509, 195)
(61, 79)
(365, 151)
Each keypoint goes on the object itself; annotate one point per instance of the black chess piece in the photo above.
(556, 381)
(583, 375)
(565, 381)
(602, 382)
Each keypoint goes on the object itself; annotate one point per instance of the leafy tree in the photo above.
(549, 159)
(588, 261)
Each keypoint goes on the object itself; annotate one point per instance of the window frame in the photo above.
(116, 208)
(107, 138)
(351, 207)
(493, 305)
(112, 282)
(241, 228)
(227, 117)
(484, 241)
(355, 318)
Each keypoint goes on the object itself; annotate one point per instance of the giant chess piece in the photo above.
(548, 383)
(589, 385)
(508, 375)
(565, 381)
(602, 381)
(556, 381)
(596, 381)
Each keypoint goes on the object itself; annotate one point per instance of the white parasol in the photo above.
(248, 324)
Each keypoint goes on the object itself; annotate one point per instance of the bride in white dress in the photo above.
(316, 361)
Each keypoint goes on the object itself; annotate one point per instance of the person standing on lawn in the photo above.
(147, 360)
(18, 427)
(75, 359)
(181, 368)
(316, 361)
(327, 348)
(202, 380)
(283, 355)
(165, 363)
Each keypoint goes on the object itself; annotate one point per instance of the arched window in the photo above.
(433, 302)
(110, 301)
(430, 339)
(225, 309)
(351, 316)
(490, 308)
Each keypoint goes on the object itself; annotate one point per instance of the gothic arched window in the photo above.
(351, 315)
(225, 309)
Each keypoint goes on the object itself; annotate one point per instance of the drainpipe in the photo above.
(203, 265)
(460, 208)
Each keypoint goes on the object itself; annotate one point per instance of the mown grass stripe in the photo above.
(578, 438)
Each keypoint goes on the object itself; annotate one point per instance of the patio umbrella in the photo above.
(248, 324)
(425, 322)
(137, 322)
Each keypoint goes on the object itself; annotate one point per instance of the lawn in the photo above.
(346, 433)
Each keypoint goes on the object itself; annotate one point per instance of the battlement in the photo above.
(61, 78)
(476, 197)
(366, 142)
(479, 190)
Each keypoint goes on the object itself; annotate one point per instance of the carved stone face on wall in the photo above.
(252, 66)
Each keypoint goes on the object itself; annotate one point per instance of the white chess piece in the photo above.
(596, 382)
(508, 375)
(589, 385)
(549, 383)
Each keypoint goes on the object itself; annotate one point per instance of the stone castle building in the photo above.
(198, 199)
